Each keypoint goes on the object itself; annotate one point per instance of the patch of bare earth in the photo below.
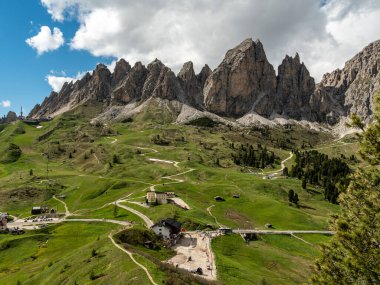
(193, 252)
(239, 219)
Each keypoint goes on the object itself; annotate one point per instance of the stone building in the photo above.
(156, 197)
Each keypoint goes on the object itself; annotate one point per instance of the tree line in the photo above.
(318, 169)
(247, 155)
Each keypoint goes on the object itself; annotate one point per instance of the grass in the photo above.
(67, 257)
(90, 180)
(273, 259)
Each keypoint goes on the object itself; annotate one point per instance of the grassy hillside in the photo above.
(94, 165)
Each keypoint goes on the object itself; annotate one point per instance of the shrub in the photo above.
(12, 154)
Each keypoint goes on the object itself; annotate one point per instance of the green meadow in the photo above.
(95, 165)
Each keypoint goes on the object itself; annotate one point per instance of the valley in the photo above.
(98, 168)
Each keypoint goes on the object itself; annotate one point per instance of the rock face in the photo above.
(161, 82)
(351, 89)
(130, 88)
(294, 88)
(193, 84)
(11, 117)
(244, 81)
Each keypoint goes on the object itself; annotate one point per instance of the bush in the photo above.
(203, 122)
(12, 154)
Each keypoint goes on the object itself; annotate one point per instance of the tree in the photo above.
(285, 171)
(93, 252)
(291, 195)
(115, 211)
(115, 159)
(31, 172)
(303, 183)
(295, 199)
(352, 255)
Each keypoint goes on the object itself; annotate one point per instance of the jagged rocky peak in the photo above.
(102, 73)
(351, 89)
(122, 68)
(244, 81)
(294, 88)
(131, 86)
(161, 82)
(203, 75)
(187, 72)
(192, 84)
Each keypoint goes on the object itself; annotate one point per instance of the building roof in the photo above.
(170, 223)
(36, 208)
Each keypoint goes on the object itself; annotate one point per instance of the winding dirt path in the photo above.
(67, 212)
(133, 259)
(276, 172)
(216, 220)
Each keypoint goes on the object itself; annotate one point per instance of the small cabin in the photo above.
(225, 231)
(219, 198)
(168, 228)
(36, 210)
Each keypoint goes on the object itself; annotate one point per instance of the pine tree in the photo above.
(304, 183)
(295, 199)
(115, 211)
(352, 256)
(285, 171)
(291, 195)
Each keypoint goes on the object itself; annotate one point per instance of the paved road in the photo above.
(21, 224)
(282, 232)
(148, 222)
(123, 223)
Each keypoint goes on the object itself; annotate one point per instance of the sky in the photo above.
(44, 43)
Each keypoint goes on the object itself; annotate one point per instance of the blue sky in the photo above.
(325, 33)
(22, 70)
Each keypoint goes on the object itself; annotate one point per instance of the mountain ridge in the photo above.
(244, 83)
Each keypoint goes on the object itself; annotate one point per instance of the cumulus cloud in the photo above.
(6, 103)
(46, 40)
(58, 9)
(56, 79)
(177, 31)
(56, 82)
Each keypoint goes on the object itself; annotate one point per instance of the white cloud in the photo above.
(6, 103)
(56, 82)
(57, 9)
(203, 30)
(46, 40)
(56, 79)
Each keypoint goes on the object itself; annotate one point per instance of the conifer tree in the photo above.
(353, 254)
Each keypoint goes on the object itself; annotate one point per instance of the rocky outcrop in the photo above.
(244, 81)
(130, 87)
(294, 88)
(192, 84)
(11, 117)
(161, 82)
(121, 71)
(351, 89)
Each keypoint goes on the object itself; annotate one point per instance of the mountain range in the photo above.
(244, 88)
